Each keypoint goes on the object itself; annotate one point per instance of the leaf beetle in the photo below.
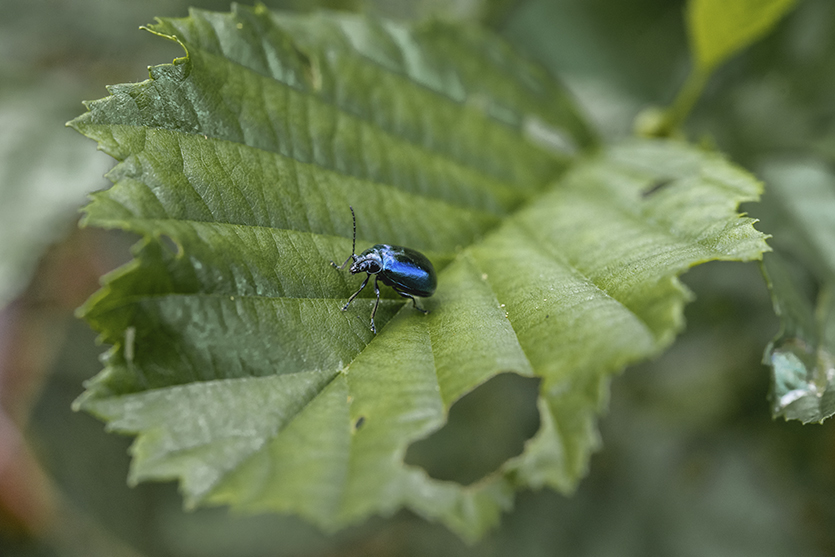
(408, 272)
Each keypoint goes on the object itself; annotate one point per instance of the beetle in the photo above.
(408, 272)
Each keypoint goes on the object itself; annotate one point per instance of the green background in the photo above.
(692, 462)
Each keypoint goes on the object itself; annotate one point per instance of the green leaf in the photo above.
(231, 359)
(720, 28)
(802, 356)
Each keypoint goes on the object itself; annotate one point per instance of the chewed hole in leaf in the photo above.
(656, 186)
(171, 245)
(485, 428)
(359, 423)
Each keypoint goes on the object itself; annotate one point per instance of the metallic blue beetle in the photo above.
(407, 271)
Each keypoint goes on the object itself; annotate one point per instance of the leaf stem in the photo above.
(673, 117)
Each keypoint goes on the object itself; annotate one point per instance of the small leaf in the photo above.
(720, 28)
(802, 356)
(231, 359)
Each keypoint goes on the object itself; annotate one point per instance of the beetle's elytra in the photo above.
(407, 271)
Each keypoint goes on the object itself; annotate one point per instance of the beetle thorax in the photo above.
(370, 263)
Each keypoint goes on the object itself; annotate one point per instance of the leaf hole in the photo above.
(171, 245)
(484, 429)
(656, 186)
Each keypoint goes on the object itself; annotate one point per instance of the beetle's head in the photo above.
(370, 263)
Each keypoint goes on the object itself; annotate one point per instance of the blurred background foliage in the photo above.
(692, 462)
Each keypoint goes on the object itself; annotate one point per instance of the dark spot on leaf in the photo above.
(360, 421)
(485, 428)
(656, 186)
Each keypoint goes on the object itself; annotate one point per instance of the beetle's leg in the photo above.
(354, 295)
(377, 303)
(340, 267)
(414, 302)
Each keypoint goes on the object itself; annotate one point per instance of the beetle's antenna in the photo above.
(354, 244)
(353, 255)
